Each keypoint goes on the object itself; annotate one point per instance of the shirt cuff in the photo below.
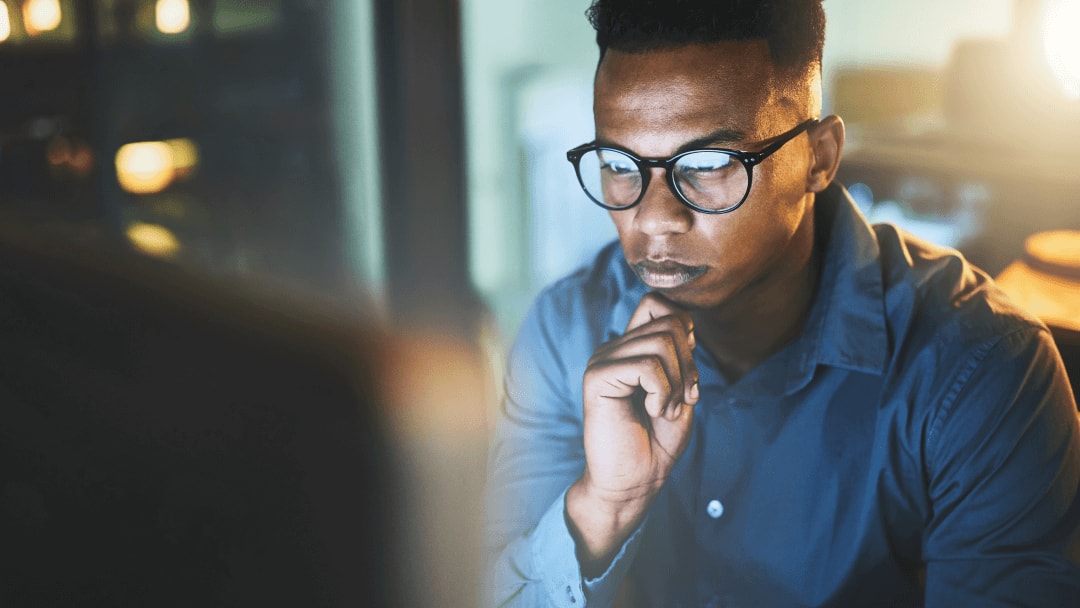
(601, 590)
(555, 554)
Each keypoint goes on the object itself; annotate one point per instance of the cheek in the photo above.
(789, 176)
(783, 193)
(764, 226)
(624, 225)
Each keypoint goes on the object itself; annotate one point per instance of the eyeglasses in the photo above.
(711, 180)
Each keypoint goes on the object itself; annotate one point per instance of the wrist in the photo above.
(601, 521)
(619, 507)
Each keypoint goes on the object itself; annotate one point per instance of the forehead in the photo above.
(689, 91)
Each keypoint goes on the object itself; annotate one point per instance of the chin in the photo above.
(692, 299)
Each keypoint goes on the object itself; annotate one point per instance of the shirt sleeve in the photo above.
(537, 453)
(1003, 472)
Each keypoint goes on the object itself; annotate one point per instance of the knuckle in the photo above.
(687, 320)
(668, 341)
(665, 326)
(656, 364)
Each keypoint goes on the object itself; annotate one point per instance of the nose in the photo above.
(660, 212)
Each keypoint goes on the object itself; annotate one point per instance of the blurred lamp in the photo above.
(41, 16)
(153, 239)
(144, 167)
(147, 167)
(172, 16)
(1062, 45)
(1046, 279)
(5, 21)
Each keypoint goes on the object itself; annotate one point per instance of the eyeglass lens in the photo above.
(709, 179)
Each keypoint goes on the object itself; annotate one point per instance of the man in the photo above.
(758, 399)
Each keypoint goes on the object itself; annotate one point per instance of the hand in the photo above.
(638, 392)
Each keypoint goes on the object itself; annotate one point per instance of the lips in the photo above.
(667, 274)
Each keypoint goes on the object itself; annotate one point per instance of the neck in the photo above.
(762, 318)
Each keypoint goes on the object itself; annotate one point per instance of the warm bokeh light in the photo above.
(172, 16)
(145, 167)
(41, 16)
(1062, 45)
(153, 239)
(185, 156)
(151, 166)
(69, 157)
(5, 21)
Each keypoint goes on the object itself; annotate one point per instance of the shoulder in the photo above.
(588, 298)
(933, 294)
(572, 316)
(956, 339)
(970, 375)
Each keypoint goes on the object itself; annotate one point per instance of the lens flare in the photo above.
(5, 21)
(172, 16)
(42, 16)
(1062, 45)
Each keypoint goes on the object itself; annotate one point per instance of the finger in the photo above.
(676, 415)
(668, 345)
(672, 435)
(682, 409)
(684, 345)
(654, 306)
(624, 380)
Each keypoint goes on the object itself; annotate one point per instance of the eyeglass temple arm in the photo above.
(756, 158)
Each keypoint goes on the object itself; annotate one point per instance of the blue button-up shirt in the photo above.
(917, 444)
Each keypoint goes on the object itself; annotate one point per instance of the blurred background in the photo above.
(398, 166)
(413, 151)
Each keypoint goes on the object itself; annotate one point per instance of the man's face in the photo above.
(718, 95)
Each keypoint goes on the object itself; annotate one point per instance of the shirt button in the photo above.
(715, 509)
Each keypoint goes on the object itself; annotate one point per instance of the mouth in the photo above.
(667, 274)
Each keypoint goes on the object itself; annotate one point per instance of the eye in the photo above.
(616, 164)
(705, 162)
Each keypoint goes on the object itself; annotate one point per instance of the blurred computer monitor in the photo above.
(168, 441)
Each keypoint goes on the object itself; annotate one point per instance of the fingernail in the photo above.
(678, 410)
(694, 393)
(691, 339)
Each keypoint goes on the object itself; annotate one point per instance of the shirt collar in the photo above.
(846, 326)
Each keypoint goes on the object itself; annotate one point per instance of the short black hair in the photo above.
(793, 29)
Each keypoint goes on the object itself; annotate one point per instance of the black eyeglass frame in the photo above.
(748, 160)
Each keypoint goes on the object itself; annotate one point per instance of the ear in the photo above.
(827, 145)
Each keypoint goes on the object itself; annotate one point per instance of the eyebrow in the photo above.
(722, 136)
(718, 138)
